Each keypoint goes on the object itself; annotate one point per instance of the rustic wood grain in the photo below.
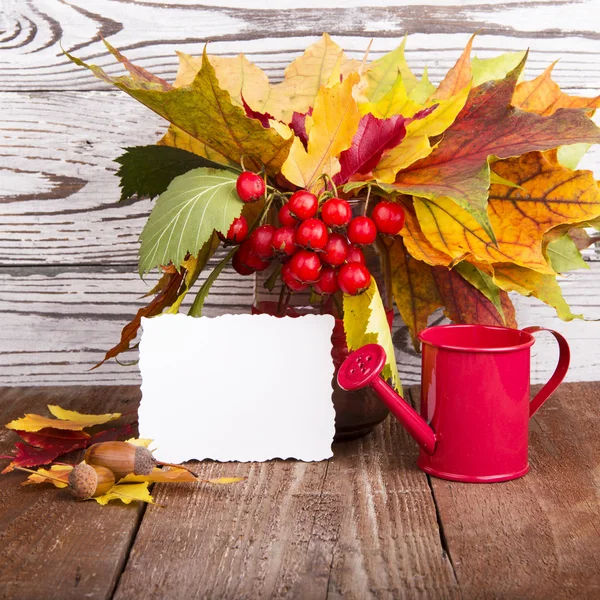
(272, 33)
(535, 537)
(61, 128)
(361, 525)
(59, 322)
(52, 546)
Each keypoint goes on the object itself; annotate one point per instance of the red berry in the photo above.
(312, 233)
(388, 217)
(335, 250)
(237, 232)
(286, 218)
(290, 281)
(327, 283)
(305, 266)
(355, 254)
(284, 241)
(248, 258)
(353, 278)
(303, 205)
(362, 231)
(242, 269)
(336, 212)
(250, 186)
(261, 241)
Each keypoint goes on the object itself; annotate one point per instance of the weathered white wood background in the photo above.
(68, 252)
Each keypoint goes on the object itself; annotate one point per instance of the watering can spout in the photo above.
(363, 368)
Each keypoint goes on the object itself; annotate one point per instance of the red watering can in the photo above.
(475, 403)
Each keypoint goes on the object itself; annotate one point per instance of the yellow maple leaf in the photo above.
(240, 77)
(513, 278)
(223, 480)
(145, 442)
(418, 245)
(415, 144)
(544, 97)
(304, 77)
(413, 287)
(158, 475)
(65, 419)
(548, 195)
(395, 102)
(57, 475)
(382, 74)
(126, 493)
(177, 138)
(365, 322)
(458, 77)
(335, 121)
(174, 475)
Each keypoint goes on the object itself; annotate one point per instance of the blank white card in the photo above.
(237, 387)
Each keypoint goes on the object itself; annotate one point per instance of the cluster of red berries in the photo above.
(323, 252)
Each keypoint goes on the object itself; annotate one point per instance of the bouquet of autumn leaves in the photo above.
(468, 190)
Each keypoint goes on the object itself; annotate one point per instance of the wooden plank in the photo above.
(52, 546)
(59, 190)
(59, 322)
(359, 526)
(273, 34)
(536, 537)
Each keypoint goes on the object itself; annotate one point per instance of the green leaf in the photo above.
(564, 255)
(186, 215)
(198, 305)
(483, 282)
(495, 178)
(423, 90)
(365, 322)
(147, 171)
(569, 156)
(383, 73)
(488, 69)
(375, 185)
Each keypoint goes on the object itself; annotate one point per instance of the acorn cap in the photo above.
(144, 461)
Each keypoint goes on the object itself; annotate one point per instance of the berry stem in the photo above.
(338, 305)
(329, 181)
(367, 200)
(280, 301)
(386, 267)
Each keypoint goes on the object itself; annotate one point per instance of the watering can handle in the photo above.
(562, 367)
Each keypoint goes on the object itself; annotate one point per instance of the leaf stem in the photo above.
(198, 304)
(62, 481)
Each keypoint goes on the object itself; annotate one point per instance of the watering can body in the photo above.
(475, 407)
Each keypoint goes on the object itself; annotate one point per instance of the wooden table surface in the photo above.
(365, 524)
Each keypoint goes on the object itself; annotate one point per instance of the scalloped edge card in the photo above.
(237, 387)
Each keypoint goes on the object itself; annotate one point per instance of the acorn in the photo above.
(123, 458)
(88, 481)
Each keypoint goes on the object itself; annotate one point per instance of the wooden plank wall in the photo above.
(68, 253)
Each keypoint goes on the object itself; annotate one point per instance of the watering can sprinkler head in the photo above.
(363, 368)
